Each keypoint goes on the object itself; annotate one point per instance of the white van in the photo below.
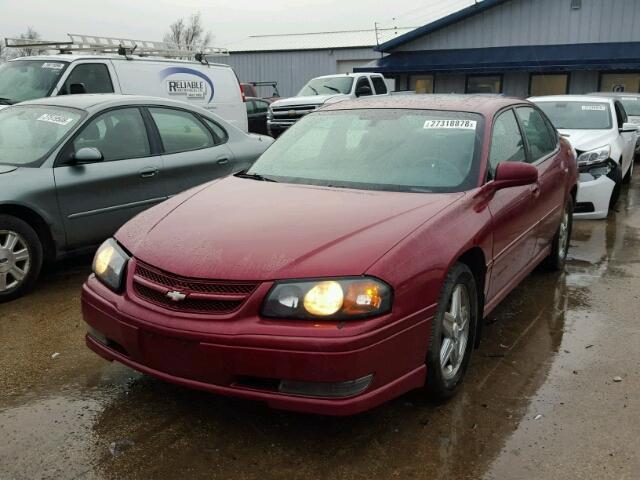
(214, 87)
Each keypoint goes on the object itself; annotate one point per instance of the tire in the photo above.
(443, 380)
(561, 240)
(627, 178)
(20, 257)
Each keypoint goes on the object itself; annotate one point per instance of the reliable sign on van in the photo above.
(188, 83)
(189, 88)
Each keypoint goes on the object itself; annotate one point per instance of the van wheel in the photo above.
(452, 333)
(562, 239)
(20, 257)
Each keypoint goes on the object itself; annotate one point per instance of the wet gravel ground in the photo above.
(539, 401)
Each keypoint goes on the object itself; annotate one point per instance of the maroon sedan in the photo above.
(353, 262)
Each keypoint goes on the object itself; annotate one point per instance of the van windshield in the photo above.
(22, 80)
(29, 132)
(327, 86)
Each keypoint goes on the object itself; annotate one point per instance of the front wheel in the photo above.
(560, 245)
(20, 257)
(452, 333)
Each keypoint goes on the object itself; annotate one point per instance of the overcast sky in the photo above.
(229, 21)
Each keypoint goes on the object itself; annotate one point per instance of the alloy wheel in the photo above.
(15, 260)
(455, 332)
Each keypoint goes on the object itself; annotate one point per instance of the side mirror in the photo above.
(363, 91)
(86, 155)
(77, 89)
(514, 174)
(629, 128)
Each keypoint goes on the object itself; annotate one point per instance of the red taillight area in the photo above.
(244, 97)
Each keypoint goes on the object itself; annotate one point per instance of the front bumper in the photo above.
(251, 365)
(594, 197)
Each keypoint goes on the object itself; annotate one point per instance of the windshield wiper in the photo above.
(254, 176)
(6, 101)
(314, 90)
(332, 88)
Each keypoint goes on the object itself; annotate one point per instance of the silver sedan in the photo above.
(73, 169)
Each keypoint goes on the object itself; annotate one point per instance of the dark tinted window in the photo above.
(621, 114)
(363, 82)
(251, 108)
(261, 106)
(219, 133)
(541, 141)
(180, 131)
(380, 85)
(506, 142)
(94, 76)
(118, 134)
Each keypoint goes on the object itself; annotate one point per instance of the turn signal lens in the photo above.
(324, 299)
(329, 299)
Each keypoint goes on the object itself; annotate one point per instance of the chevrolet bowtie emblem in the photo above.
(176, 296)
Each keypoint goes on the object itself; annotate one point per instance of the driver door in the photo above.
(96, 199)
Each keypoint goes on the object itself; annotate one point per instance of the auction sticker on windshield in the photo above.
(53, 118)
(597, 108)
(457, 124)
(53, 66)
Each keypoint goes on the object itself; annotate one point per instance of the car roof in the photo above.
(483, 104)
(570, 98)
(100, 101)
(615, 94)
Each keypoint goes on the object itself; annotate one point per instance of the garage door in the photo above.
(347, 66)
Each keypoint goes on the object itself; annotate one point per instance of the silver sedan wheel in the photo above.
(563, 237)
(15, 260)
(455, 332)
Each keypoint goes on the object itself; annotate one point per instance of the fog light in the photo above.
(96, 335)
(321, 389)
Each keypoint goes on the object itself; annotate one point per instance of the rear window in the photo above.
(576, 115)
(380, 85)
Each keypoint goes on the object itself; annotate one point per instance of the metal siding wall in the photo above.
(292, 69)
(539, 22)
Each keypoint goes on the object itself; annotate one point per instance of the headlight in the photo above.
(331, 299)
(110, 263)
(596, 155)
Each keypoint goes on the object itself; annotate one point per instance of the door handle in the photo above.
(148, 172)
(223, 161)
(535, 190)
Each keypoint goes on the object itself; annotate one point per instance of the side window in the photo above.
(363, 82)
(251, 109)
(220, 134)
(93, 76)
(180, 131)
(621, 114)
(506, 142)
(118, 134)
(541, 141)
(380, 85)
(261, 106)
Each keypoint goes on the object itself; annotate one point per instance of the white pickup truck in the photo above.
(320, 91)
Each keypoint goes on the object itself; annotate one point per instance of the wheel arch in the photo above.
(37, 222)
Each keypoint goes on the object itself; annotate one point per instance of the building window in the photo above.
(484, 84)
(421, 83)
(549, 84)
(620, 82)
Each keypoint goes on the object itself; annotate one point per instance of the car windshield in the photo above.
(578, 115)
(327, 86)
(23, 80)
(378, 149)
(29, 132)
(631, 105)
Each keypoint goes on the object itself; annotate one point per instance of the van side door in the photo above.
(88, 76)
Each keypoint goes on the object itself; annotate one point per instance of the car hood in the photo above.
(585, 140)
(240, 229)
(310, 100)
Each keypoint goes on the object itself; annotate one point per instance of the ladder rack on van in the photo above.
(120, 46)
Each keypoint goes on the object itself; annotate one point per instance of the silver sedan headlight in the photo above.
(597, 155)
